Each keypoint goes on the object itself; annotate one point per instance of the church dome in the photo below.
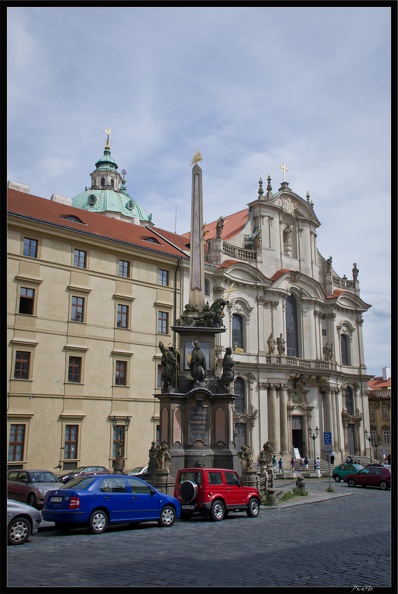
(108, 194)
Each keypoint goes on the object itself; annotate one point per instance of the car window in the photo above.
(12, 476)
(215, 478)
(231, 478)
(376, 471)
(113, 485)
(364, 471)
(343, 467)
(23, 476)
(138, 486)
(191, 476)
(79, 482)
(351, 467)
(43, 477)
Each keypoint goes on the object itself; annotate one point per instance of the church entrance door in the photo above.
(297, 434)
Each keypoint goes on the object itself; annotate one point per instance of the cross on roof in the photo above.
(284, 169)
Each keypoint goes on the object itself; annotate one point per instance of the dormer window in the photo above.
(129, 205)
(92, 199)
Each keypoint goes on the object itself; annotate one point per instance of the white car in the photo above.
(23, 520)
(138, 470)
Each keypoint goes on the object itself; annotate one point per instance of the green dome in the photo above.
(99, 200)
(108, 192)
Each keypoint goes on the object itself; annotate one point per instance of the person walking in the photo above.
(292, 463)
(280, 464)
(318, 465)
(306, 463)
(274, 462)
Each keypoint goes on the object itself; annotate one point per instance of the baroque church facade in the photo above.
(94, 286)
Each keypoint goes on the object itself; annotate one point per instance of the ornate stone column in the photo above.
(273, 429)
(327, 409)
(283, 419)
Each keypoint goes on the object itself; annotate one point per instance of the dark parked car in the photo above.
(30, 486)
(23, 520)
(341, 471)
(82, 471)
(141, 471)
(96, 501)
(214, 492)
(371, 476)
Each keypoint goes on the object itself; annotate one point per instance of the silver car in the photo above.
(31, 486)
(23, 520)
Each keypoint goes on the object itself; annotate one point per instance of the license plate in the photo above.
(56, 499)
(187, 507)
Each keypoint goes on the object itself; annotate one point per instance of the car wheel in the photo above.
(336, 478)
(19, 530)
(167, 516)
(351, 483)
(98, 521)
(217, 511)
(186, 515)
(383, 485)
(32, 499)
(254, 508)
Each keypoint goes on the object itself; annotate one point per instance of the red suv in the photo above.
(214, 492)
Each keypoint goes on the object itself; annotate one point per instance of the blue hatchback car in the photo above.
(96, 501)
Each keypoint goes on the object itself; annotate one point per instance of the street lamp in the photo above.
(368, 436)
(313, 436)
(376, 443)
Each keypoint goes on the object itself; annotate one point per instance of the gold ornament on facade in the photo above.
(197, 158)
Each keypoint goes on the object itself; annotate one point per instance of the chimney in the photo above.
(386, 373)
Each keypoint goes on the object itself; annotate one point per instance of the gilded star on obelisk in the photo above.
(197, 158)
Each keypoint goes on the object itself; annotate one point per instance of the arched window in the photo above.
(237, 331)
(239, 392)
(292, 349)
(102, 182)
(112, 183)
(344, 350)
(349, 400)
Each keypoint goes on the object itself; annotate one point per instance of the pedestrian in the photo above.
(318, 464)
(274, 462)
(292, 463)
(301, 464)
(280, 464)
(306, 463)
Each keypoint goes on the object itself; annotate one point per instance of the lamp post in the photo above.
(376, 443)
(313, 436)
(368, 436)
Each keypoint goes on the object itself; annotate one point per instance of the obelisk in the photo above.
(196, 274)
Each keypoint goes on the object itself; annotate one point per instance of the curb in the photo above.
(307, 499)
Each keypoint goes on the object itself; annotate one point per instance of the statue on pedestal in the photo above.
(281, 344)
(197, 364)
(228, 375)
(163, 458)
(246, 458)
(170, 366)
(271, 344)
(265, 457)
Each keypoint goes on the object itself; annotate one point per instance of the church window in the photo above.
(292, 349)
(344, 350)
(239, 391)
(207, 287)
(112, 183)
(102, 182)
(349, 400)
(237, 331)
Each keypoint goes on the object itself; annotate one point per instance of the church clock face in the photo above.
(288, 205)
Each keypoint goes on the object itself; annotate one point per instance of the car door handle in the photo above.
(106, 497)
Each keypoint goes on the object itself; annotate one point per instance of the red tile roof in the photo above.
(96, 224)
(378, 383)
(233, 225)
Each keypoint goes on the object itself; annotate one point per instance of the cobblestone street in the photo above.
(339, 542)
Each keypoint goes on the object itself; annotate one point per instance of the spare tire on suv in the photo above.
(188, 491)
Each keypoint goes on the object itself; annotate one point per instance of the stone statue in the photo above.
(281, 344)
(288, 233)
(355, 272)
(228, 375)
(328, 350)
(170, 366)
(329, 264)
(246, 458)
(271, 344)
(197, 364)
(265, 457)
(219, 227)
(163, 458)
(257, 240)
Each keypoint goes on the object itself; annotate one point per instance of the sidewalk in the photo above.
(317, 492)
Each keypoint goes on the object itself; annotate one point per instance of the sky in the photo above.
(249, 87)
